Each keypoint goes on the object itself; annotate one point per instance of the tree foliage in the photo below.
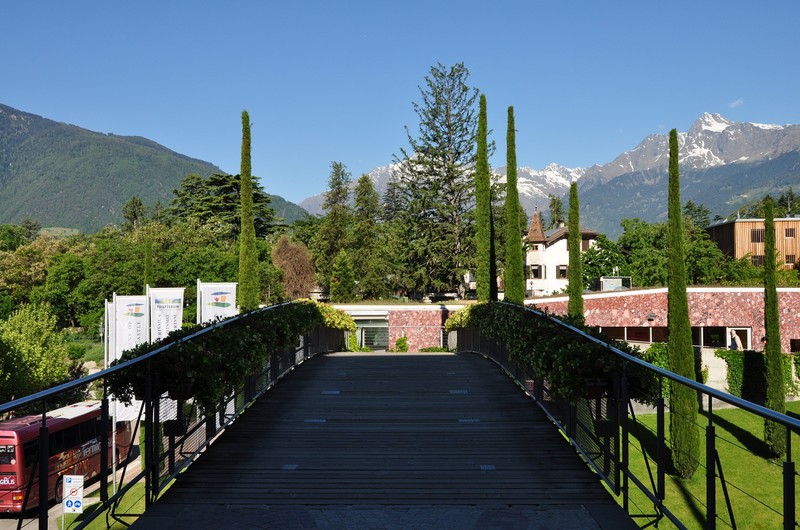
(33, 354)
(134, 213)
(514, 273)
(296, 265)
(216, 201)
(333, 234)
(249, 296)
(604, 258)
(433, 194)
(343, 279)
(774, 433)
(369, 242)
(575, 272)
(483, 211)
(556, 211)
(684, 436)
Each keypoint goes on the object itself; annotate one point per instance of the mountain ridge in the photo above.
(738, 160)
(68, 176)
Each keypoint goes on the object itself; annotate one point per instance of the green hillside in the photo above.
(66, 176)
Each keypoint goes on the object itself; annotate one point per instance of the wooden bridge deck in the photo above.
(413, 440)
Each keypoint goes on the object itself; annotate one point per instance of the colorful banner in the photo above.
(131, 323)
(166, 310)
(215, 300)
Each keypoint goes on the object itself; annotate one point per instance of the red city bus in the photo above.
(74, 434)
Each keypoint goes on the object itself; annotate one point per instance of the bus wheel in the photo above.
(59, 490)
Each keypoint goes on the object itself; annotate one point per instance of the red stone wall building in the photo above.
(379, 326)
(641, 315)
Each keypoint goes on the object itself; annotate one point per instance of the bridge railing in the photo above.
(633, 458)
(172, 430)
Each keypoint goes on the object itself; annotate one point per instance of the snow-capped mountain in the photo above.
(711, 141)
(735, 160)
(536, 185)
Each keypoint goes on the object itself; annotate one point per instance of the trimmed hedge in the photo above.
(566, 360)
(747, 377)
(212, 364)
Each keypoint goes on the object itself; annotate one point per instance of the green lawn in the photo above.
(132, 503)
(754, 482)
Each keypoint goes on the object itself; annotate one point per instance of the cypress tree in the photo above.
(774, 434)
(575, 275)
(684, 436)
(483, 210)
(248, 256)
(514, 277)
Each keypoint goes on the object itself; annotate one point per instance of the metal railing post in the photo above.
(711, 475)
(624, 397)
(105, 420)
(661, 450)
(789, 494)
(44, 449)
(149, 438)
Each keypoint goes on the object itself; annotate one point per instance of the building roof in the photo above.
(536, 231)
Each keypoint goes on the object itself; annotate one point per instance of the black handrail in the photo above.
(564, 414)
(784, 419)
(313, 342)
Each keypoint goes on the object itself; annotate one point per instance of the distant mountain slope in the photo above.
(63, 175)
(723, 164)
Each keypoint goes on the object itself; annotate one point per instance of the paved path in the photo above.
(390, 441)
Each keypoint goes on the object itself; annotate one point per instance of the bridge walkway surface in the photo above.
(382, 440)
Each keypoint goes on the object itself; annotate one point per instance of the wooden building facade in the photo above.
(741, 237)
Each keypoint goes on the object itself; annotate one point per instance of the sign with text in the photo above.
(166, 310)
(130, 326)
(72, 487)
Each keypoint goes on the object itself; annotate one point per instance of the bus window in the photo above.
(7, 453)
(31, 451)
(72, 436)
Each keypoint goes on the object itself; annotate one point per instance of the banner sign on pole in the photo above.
(166, 311)
(131, 323)
(216, 300)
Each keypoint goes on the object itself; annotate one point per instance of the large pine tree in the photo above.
(483, 211)
(514, 270)
(435, 186)
(575, 271)
(248, 255)
(774, 434)
(684, 436)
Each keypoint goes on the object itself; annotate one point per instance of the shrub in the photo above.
(552, 351)
(216, 361)
(401, 345)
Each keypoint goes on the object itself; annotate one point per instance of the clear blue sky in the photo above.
(327, 81)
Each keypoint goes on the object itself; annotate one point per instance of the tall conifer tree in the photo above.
(684, 436)
(248, 256)
(435, 185)
(774, 434)
(514, 275)
(575, 275)
(483, 210)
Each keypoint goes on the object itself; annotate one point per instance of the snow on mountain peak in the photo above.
(710, 122)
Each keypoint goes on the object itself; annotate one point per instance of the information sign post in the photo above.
(72, 490)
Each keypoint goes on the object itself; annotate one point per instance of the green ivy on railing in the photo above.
(210, 365)
(566, 360)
